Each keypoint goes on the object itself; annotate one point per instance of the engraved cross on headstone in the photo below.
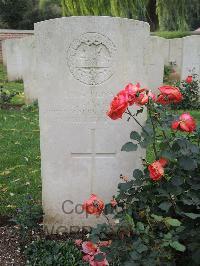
(93, 155)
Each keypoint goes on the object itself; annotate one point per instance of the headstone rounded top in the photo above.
(94, 18)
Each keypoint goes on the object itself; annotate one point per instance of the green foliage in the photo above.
(19, 14)
(22, 14)
(168, 69)
(49, 9)
(178, 15)
(190, 92)
(28, 217)
(11, 92)
(49, 252)
(126, 8)
(172, 34)
(158, 222)
(6, 96)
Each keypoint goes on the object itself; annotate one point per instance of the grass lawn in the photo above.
(20, 154)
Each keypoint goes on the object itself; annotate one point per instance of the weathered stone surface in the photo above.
(176, 54)
(82, 62)
(13, 58)
(155, 62)
(29, 68)
(191, 56)
(3, 47)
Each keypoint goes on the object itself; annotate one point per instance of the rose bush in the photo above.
(156, 211)
(190, 89)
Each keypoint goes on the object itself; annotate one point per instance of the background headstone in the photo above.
(191, 56)
(82, 63)
(29, 69)
(155, 62)
(3, 47)
(13, 58)
(176, 54)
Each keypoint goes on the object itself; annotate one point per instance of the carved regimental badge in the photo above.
(90, 58)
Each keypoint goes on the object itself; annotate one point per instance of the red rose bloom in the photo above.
(93, 205)
(156, 169)
(142, 98)
(189, 79)
(169, 95)
(89, 248)
(132, 92)
(152, 96)
(185, 123)
(118, 105)
(78, 242)
(105, 243)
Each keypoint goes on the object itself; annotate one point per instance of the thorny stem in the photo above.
(154, 132)
(129, 113)
(147, 216)
(157, 119)
(108, 221)
(172, 201)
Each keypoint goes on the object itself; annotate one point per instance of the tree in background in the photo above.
(22, 14)
(12, 12)
(136, 9)
(178, 15)
(160, 14)
(163, 14)
(50, 8)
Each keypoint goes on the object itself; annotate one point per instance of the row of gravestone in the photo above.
(183, 53)
(74, 66)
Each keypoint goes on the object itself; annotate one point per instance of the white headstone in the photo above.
(191, 56)
(13, 57)
(82, 63)
(155, 62)
(3, 45)
(29, 69)
(176, 53)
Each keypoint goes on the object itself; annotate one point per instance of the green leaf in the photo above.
(165, 206)
(192, 215)
(99, 257)
(177, 246)
(137, 173)
(123, 187)
(108, 209)
(168, 155)
(172, 222)
(168, 236)
(177, 181)
(141, 248)
(144, 143)
(129, 146)
(139, 111)
(157, 218)
(140, 226)
(135, 136)
(187, 163)
(135, 255)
